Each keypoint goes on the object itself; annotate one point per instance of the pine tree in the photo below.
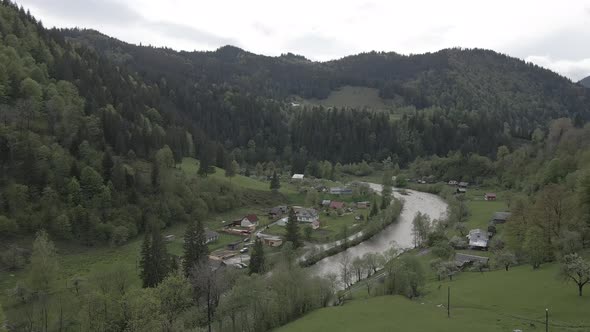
(107, 166)
(155, 176)
(155, 261)
(231, 168)
(257, 258)
(275, 184)
(195, 248)
(374, 209)
(385, 196)
(293, 229)
(145, 263)
(207, 160)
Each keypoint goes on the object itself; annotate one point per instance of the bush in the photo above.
(7, 226)
(458, 242)
(120, 235)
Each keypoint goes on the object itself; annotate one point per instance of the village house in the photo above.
(500, 217)
(169, 238)
(336, 205)
(326, 202)
(305, 215)
(340, 191)
(211, 236)
(270, 240)
(453, 183)
(465, 260)
(478, 239)
(489, 197)
(461, 190)
(297, 177)
(250, 221)
(463, 184)
(277, 211)
(363, 205)
(234, 245)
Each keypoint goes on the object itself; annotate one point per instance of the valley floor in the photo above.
(492, 301)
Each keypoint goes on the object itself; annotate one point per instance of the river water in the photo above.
(399, 233)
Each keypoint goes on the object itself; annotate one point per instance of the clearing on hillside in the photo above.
(354, 97)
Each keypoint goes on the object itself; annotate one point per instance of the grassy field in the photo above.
(354, 97)
(331, 227)
(481, 211)
(492, 301)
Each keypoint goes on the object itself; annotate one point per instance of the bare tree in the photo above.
(208, 284)
(345, 270)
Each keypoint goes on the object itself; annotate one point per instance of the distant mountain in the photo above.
(585, 82)
(450, 78)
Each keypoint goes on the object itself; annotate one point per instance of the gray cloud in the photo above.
(262, 28)
(188, 33)
(117, 14)
(95, 11)
(570, 43)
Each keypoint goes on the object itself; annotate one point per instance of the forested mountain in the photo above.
(90, 125)
(468, 98)
(585, 82)
(87, 147)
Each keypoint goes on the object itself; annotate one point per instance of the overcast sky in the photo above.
(554, 34)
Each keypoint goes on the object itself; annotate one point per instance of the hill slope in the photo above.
(585, 82)
(493, 301)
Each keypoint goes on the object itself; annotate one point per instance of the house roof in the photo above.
(465, 258)
(278, 209)
(490, 195)
(251, 217)
(478, 238)
(209, 234)
(297, 176)
(501, 216)
(336, 205)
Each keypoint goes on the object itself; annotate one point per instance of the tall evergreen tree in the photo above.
(155, 176)
(107, 166)
(385, 196)
(155, 261)
(275, 184)
(257, 258)
(207, 160)
(374, 209)
(292, 228)
(231, 168)
(195, 248)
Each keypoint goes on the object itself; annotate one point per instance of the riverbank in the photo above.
(398, 234)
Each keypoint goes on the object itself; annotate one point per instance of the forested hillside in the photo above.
(585, 82)
(88, 148)
(472, 99)
(90, 124)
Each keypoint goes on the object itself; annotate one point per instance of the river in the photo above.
(399, 233)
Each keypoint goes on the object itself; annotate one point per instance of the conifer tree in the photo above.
(155, 261)
(231, 169)
(374, 209)
(107, 166)
(257, 258)
(385, 196)
(275, 184)
(292, 227)
(195, 248)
